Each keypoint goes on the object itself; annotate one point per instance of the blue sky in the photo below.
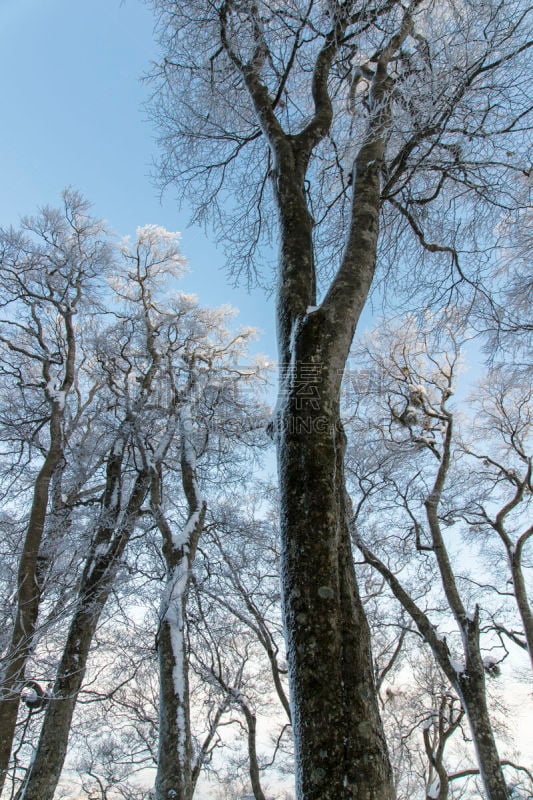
(72, 95)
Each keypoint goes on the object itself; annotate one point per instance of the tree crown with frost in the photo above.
(247, 75)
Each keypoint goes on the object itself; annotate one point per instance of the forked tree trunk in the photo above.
(339, 741)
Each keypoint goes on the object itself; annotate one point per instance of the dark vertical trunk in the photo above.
(340, 747)
(339, 740)
(366, 748)
(253, 764)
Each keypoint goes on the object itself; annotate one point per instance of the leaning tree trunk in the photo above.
(520, 589)
(470, 686)
(28, 579)
(253, 761)
(96, 584)
(29, 596)
(468, 682)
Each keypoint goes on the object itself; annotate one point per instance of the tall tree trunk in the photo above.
(253, 763)
(470, 683)
(174, 764)
(96, 584)
(29, 595)
(339, 740)
(340, 746)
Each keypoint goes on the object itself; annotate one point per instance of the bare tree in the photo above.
(505, 316)
(160, 367)
(213, 377)
(499, 451)
(409, 413)
(242, 577)
(46, 270)
(143, 424)
(237, 590)
(334, 114)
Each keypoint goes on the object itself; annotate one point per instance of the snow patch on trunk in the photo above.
(433, 790)
(173, 616)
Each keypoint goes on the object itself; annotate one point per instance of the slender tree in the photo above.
(499, 452)
(213, 380)
(141, 433)
(410, 415)
(46, 269)
(168, 376)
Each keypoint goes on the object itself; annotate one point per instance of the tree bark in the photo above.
(174, 769)
(469, 683)
(29, 596)
(255, 777)
(339, 739)
(340, 746)
(471, 688)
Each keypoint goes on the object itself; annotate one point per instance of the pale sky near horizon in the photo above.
(72, 97)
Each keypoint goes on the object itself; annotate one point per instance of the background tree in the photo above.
(151, 361)
(410, 420)
(499, 453)
(211, 413)
(160, 400)
(47, 269)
